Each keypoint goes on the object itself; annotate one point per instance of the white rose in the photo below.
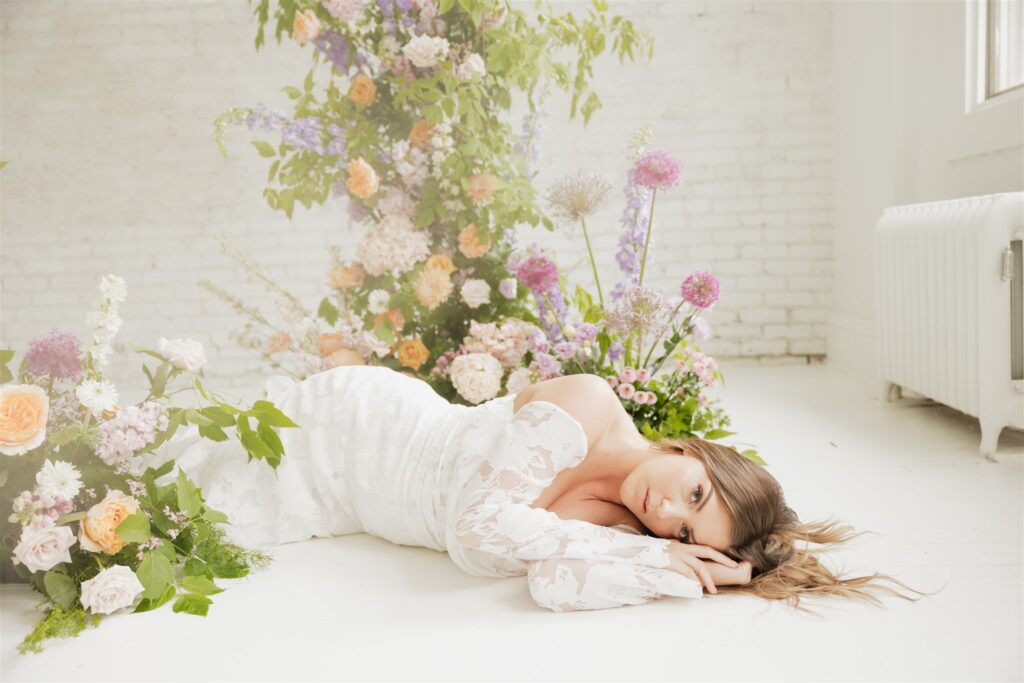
(475, 292)
(43, 546)
(518, 380)
(476, 376)
(113, 588)
(186, 354)
(425, 51)
(472, 66)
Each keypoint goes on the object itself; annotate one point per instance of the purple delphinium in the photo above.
(658, 169)
(585, 332)
(538, 273)
(615, 351)
(335, 48)
(265, 119)
(304, 133)
(634, 229)
(56, 355)
(565, 349)
(548, 364)
(558, 309)
(700, 289)
(338, 144)
(528, 144)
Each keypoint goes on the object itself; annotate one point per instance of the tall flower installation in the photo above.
(403, 116)
(85, 521)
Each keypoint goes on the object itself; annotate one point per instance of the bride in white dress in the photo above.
(554, 483)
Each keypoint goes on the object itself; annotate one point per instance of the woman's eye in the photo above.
(684, 534)
(697, 492)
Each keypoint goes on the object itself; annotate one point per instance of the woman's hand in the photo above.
(688, 559)
(728, 576)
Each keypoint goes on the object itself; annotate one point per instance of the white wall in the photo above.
(902, 136)
(107, 117)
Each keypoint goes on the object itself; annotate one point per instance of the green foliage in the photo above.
(57, 622)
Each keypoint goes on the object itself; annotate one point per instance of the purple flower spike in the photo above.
(658, 169)
(538, 273)
(700, 289)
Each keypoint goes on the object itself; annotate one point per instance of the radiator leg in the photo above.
(990, 431)
(888, 388)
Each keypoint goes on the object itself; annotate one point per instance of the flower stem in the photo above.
(658, 338)
(593, 263)
(553, 314)
(647, 239)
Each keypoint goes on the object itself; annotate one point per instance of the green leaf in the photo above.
(213, 433)
(264, 148)
(717, 434)
(135, 528)
(155, 573)
(196, 567)
(189, 501)
(5, 357)
(197, 418)
(219, 416)
(162, 470)
(256, 447)
(61, 588)
(328, 311)
(269, 413)
(270, 437)
(444, 6)
(65, 436)
(201, 585)
(292, 92)
(214, 516)
(3, 478)
(148, 604)
(751, 454)
(193, 604)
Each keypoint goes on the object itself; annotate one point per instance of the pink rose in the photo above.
(626, 390)
(627, 375)
(43, 546)
(113, 588)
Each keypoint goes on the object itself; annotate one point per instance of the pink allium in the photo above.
(658, 170)
(539, 273)
(626, 390)
(56, 355)
(700, 289)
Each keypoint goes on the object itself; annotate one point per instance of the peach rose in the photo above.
(432, 286)
(441, 262)
(363, 91)
(279, 342)
(394, 315)
(23, 412)
(481, 188)
(111, 413)
(421, 133)
(343, 356)
(306, 27)
(470, 244)
(329, 343)
(411, 353)
(347, 278)
(362, 179)
(98, 531)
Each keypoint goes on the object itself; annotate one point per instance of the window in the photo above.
(1003, 46)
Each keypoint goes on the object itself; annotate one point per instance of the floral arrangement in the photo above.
(639, 340)
(91, 527)
(408, 127)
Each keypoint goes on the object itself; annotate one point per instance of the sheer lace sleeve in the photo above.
(571, 564)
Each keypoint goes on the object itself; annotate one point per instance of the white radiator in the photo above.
(950, 306)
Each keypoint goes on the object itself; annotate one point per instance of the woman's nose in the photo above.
(667, 508)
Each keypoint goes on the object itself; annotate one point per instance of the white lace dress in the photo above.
(382, 453)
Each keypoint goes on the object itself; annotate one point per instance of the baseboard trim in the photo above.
(850, 341)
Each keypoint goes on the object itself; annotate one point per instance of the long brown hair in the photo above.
(766, 531)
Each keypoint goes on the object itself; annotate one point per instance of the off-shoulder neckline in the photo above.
(558, 409)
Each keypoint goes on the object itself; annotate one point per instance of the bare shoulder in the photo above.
(595, 511)
(587, 398)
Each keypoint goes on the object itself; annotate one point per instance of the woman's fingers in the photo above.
(719, 556)
(705, 575)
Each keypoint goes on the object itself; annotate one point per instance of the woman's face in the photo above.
(681, 502)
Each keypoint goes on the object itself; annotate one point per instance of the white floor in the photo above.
(358, 607)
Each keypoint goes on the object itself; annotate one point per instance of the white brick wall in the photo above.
(107, 117)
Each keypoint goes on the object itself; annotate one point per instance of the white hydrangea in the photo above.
(393, 249)
(397, 203)
(518, 380)
(476, 376)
